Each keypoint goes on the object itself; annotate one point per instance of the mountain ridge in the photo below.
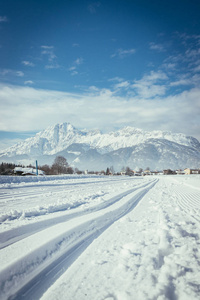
(101, 149)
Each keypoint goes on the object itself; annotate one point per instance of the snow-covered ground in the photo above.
(100, 237)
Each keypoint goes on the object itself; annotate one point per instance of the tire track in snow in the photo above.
(37, 269)
(11, 236)
(20, 194)
(9, 192)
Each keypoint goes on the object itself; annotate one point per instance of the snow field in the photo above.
(38, 250)
(151, 253)
(134, 238)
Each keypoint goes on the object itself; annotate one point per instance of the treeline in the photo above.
(7, 168)
(60, 166)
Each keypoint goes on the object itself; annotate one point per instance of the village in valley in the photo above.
(56, 169)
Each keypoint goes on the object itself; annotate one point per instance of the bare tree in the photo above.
(140, 170)
(107, 171)
(46, 169)
(128, 171)
(70, 170)
(60, 165)
(112, 170)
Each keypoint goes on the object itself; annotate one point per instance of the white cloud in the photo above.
(169, 66)
(28, 82)
(50, 54)
(19, 73)
(47, 47)
(151, 85)
(154, 77)
(34, 109)
(123, 84)
(73, 69)
(48, 51)
(52, 66)
(186, 79)
(93, 88)
(78, 61)
(28, 63)
(121, 53)
(180, 82)
(119, 79)
(149, 91)
(9, 72)
(157, 47)
(192, 53)
(197, 69)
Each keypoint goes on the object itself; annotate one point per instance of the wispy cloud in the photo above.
(121, 53)
(191, 52)
(47, 47)
(118, 79)
(121, 85)
(52, 66)
(76, 63)
(93, 7)
(5, 72)
(28, 63)
(151, 85)
(19, 73)
(48, 51)
(197, 69)
(186, 80)
(3, 19)
(28, 82)
(72, 68)
(186, 38)
(169, 66)
(157, 47)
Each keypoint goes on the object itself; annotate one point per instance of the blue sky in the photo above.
(99, 64)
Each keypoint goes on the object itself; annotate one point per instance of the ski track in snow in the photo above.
(122, 239)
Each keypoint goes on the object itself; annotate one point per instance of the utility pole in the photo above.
(36, 167)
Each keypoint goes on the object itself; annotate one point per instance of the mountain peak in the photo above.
(76, 145)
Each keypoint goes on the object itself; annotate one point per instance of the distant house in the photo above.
(137, 174)
(180, 172)
(147, 172)
(189, 171)
(168, 172)
(156, 173)
(26, 171)
(123, 172)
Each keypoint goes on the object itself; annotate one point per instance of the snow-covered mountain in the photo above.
(94, 150)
